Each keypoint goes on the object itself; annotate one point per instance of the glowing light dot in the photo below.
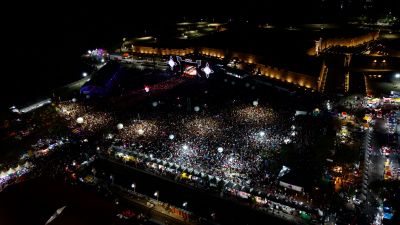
(79, 120)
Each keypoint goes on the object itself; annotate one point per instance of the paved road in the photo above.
(151, 208)
(200, 202)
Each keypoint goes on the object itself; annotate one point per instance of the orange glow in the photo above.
(265, 70)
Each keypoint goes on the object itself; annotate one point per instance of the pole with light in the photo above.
(133, 185)
(156, 194)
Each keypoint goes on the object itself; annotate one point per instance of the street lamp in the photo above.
(79, 120)
(255, 103)
(156, 194)
(133, 185)
(120, 126)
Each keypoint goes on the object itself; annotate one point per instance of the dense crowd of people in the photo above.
(232, 143)
(226, 143)
(88, 119)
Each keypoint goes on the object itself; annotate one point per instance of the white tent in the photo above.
(10, 171)
(300, 113)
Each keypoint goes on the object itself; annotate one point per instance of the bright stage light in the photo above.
(171, 137)
(171, 63)
(207, 70)
(220, 149)
(140, 131)
(84, 74)
(255, 103)
(397, 75)
(185, 147)
(146, 89)
(120, 126)
(262, 133)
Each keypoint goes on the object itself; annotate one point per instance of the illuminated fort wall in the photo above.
(162, 51)
(298, 79)
(344, 42)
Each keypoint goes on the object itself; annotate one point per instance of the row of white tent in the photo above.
(12, 171)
